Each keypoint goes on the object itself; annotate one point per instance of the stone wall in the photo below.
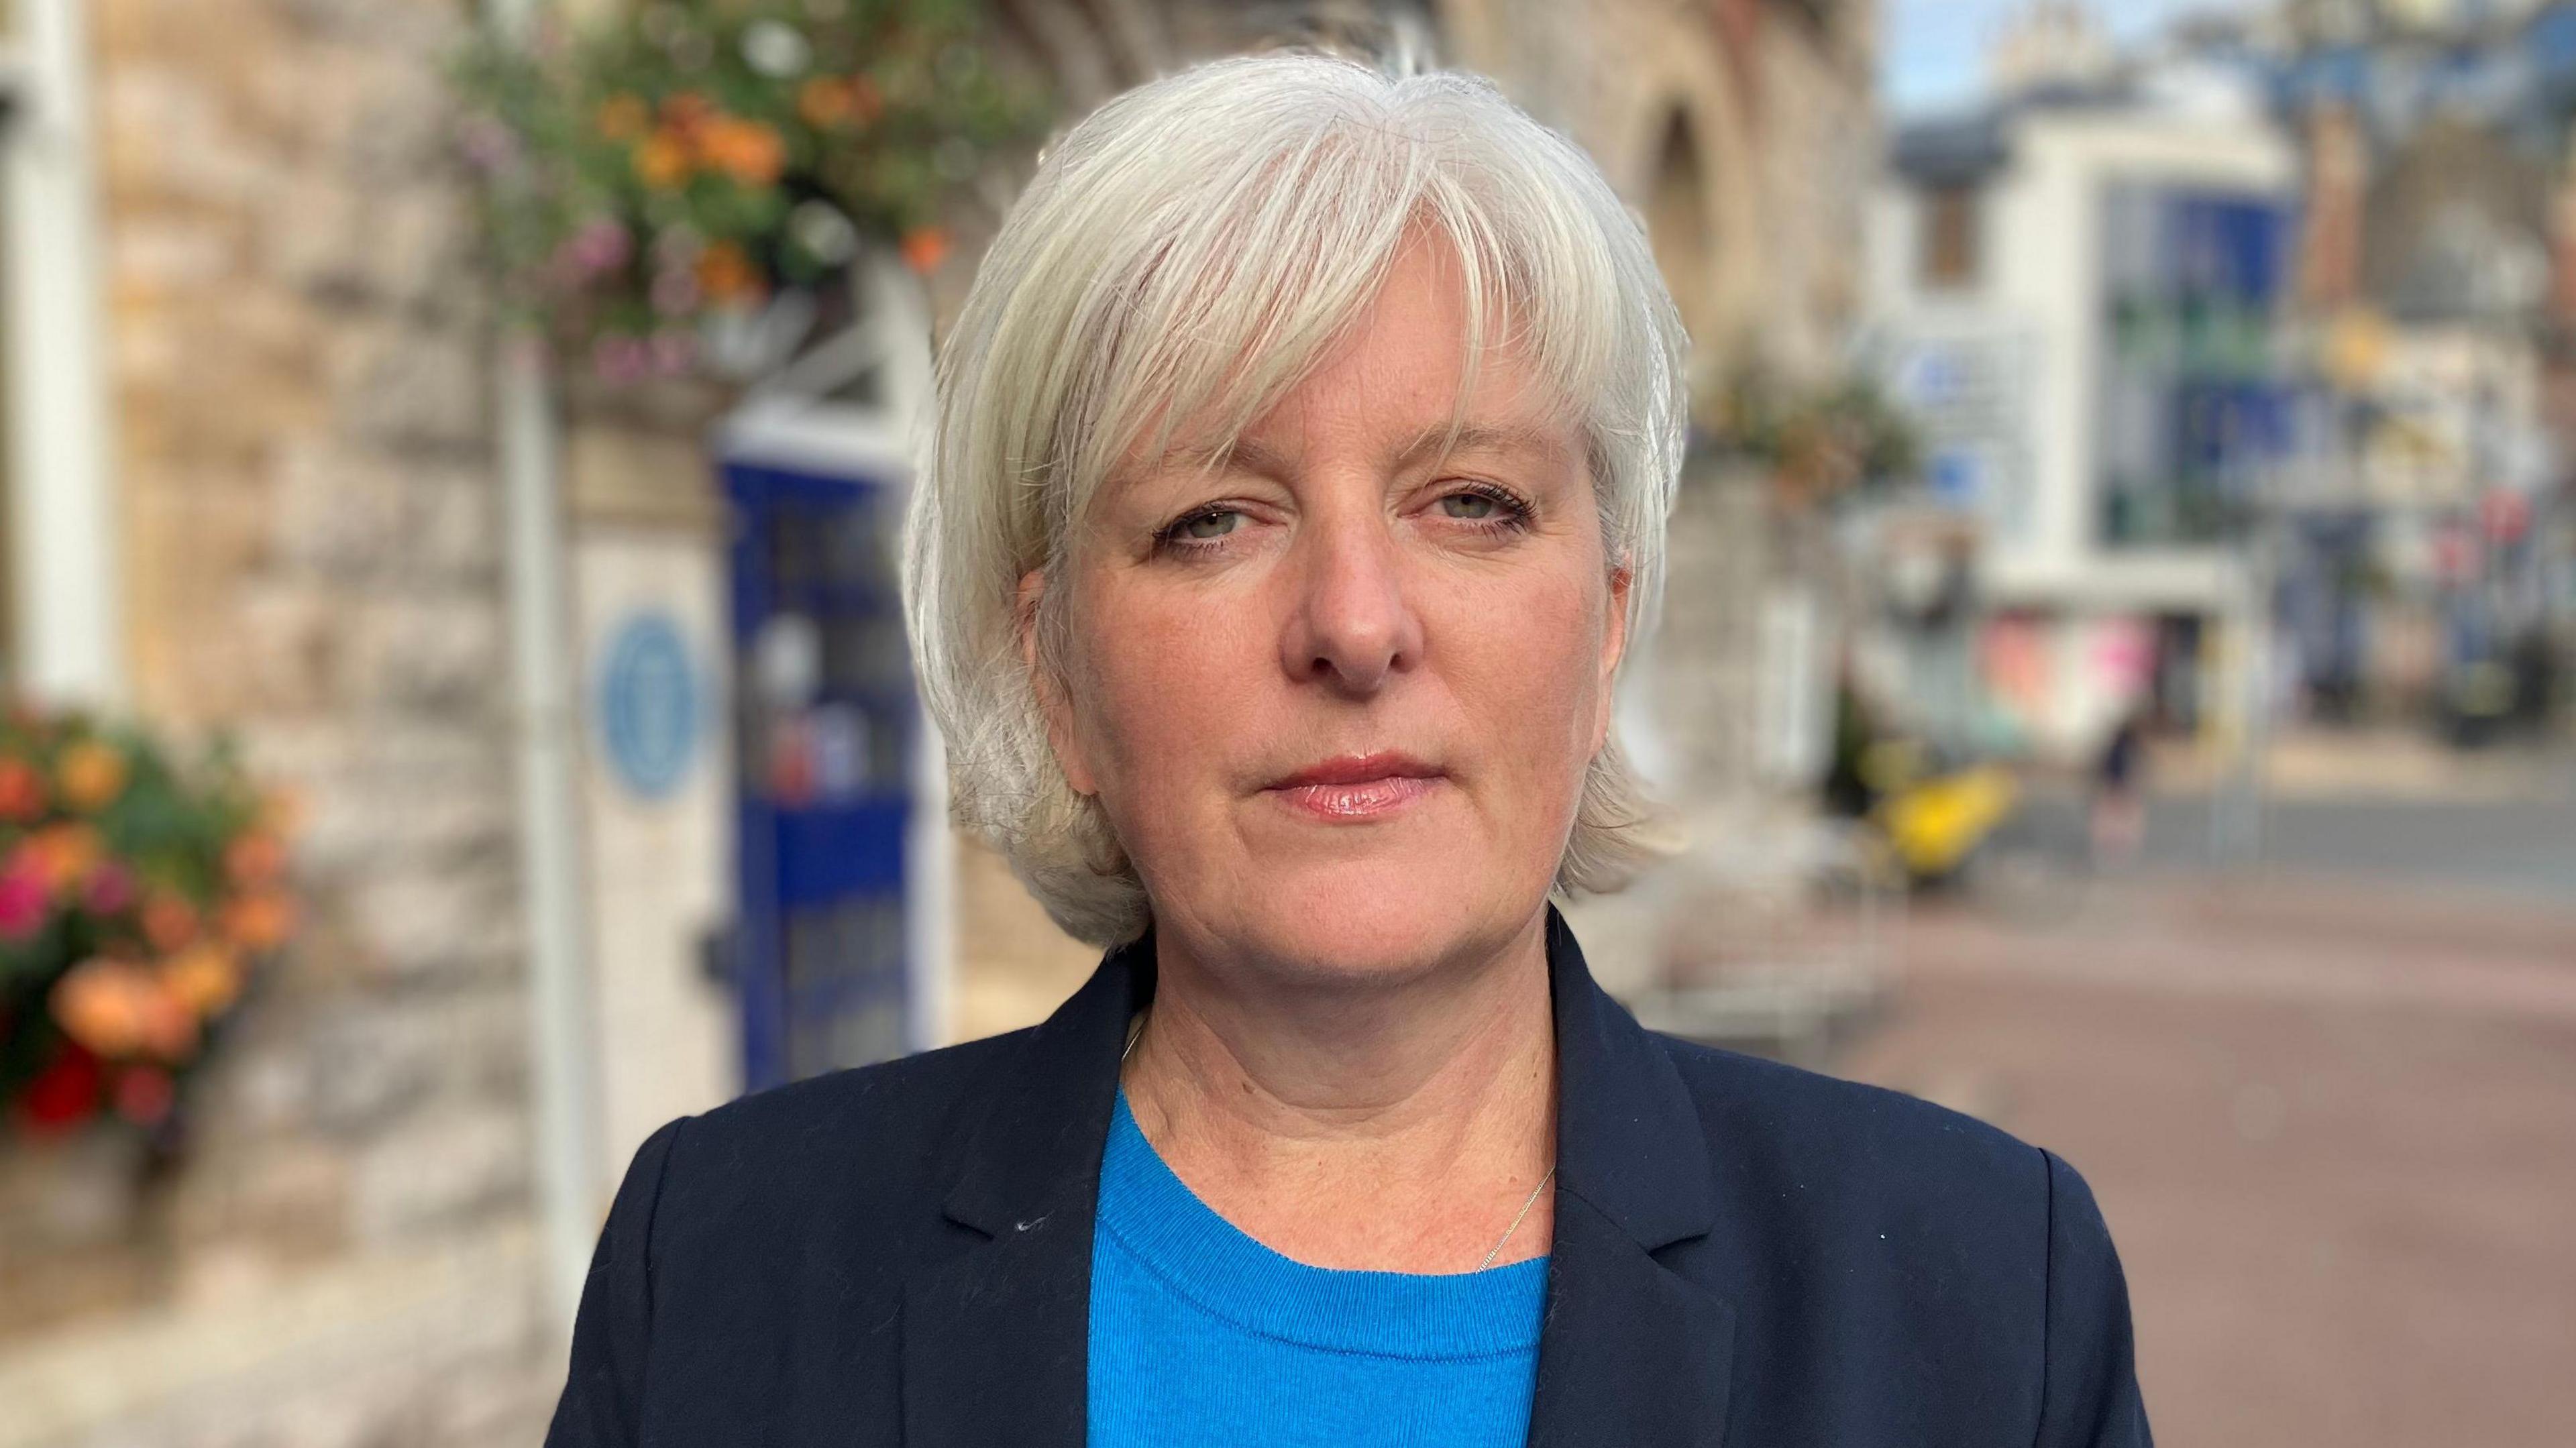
(312, 559)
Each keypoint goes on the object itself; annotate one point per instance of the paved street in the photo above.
(2331, 1116)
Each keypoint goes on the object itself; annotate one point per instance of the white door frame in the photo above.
(64, 560)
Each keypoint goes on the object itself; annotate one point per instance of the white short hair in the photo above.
(1189, 251)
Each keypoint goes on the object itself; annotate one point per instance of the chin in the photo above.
(1358, 922)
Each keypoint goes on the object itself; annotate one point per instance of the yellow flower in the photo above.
(92, 774)
(622, 117)
(662, 162)
(204, 978)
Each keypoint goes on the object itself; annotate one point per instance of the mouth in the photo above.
(1355, 787)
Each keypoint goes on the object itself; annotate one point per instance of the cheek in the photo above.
(1525, 664)
(1161, 675)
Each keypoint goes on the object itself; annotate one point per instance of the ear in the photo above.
(1062, 738)
(1614, 647)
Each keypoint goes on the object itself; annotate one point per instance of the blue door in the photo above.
(826, 730)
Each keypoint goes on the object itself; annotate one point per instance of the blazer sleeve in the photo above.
(612, 1331)
(2090, 1396)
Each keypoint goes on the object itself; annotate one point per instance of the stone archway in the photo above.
(1678, 224)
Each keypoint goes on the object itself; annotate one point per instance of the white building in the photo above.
(2076, 295)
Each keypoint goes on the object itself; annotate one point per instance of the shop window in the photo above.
(1950, 238)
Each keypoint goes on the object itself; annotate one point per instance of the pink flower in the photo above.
(622, 359)
(111, 889)
(673, 352)
(675, 291)
(24, 901)
(602, 245)
(488, 144)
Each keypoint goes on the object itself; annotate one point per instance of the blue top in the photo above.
(1201, 1335)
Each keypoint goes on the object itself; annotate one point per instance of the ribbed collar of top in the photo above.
(1229, 1274)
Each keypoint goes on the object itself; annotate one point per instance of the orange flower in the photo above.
(169, 1027)
(748, 151)
(169, 921)
(64, 854)
(622, 117)
(281, 812)
(116, 1008)
(92, 775)
(22, 791)
(258, 922)
(99, 1004)
(866, 101)
(204, 978)
(924, 248)
(726, 274)
(662, 161)
(825, 103)
(255, 858)
(686, 111)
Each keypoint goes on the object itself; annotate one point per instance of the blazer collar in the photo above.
(1631, 1353)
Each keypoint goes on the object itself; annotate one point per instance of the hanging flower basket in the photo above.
(1819, 441)
(137, 898)
(660, 185)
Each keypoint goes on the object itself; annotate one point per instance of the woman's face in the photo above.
(1338, 694)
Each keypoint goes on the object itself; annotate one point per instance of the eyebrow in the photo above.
(1436, 441)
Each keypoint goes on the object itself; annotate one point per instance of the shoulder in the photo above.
(1962, 1276)
(853, 1147)
(1839, 1155)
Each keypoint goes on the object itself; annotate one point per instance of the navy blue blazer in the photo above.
(1745, 1254)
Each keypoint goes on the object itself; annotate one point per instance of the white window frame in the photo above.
(65, 564)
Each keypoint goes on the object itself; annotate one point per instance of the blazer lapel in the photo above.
(1632, 1353)
(996, 1332)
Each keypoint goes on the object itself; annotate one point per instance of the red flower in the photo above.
(144, 1095)
(22, 791)
(64, 1094)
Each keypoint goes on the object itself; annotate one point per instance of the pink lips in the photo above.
(1357, 786)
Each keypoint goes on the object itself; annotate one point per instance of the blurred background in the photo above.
(2116, 672)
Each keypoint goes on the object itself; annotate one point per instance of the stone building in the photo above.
(259, 450)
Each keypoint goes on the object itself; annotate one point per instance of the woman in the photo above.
(1298, 484)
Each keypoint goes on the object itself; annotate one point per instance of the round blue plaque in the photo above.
(651, 700)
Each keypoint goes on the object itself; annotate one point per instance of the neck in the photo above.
(1286, 1103)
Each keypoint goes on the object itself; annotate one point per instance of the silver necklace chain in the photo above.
(1136, 1033)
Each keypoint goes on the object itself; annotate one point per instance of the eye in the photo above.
(1201, 529)
(1489, 507)
(1213, 523)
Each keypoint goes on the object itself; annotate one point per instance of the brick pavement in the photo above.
(2332, 1126)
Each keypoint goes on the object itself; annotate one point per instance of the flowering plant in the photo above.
(1820, 440)
(692, 159)
(135, 898)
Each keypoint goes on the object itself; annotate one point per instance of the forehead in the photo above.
(1420, 368)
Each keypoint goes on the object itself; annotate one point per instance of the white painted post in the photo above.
(63, 554)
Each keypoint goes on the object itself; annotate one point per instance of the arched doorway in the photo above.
(1679, 226)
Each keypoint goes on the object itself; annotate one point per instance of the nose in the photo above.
(1353, 625)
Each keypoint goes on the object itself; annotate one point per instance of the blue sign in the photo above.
(651, 704)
